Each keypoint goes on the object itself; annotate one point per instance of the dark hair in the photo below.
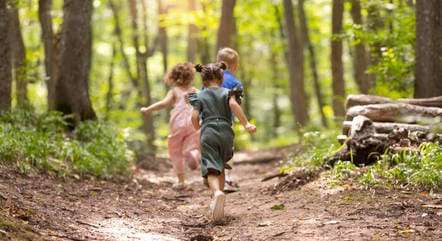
(211, 71)
(180, 75)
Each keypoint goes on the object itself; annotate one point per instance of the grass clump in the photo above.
(316, 145)
(420, 169)
(40, 141)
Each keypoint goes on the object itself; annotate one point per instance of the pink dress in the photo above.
(183, 141)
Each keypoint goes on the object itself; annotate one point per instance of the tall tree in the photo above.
(192, 35)
(312, 61)
(141, 60)
(361, 58)
(72, 87)
(5, 62)
(336, 59)
(428, 71)
(203, 42)
(18, 56)
(47, 36)
(295, 66)
(162, 36)
(226, 30)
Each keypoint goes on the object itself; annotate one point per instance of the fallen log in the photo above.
(365, 145)
(354, 100)
(397, 112)
(387, 127)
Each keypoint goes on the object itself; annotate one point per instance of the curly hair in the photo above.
(211, 71)
(180, 75)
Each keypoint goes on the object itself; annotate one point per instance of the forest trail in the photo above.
(148, 209)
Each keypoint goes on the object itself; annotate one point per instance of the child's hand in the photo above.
(145, 110)
(251, 128)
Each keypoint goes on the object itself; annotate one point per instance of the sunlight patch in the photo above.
(122, 230)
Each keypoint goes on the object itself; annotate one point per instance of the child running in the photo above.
(215, 105)
(183, 141)
(231, 58)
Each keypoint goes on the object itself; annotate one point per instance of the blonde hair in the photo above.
(229, 56)
(180, 75)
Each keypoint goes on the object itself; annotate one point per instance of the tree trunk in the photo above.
(375, 23)
(387, 127)
(203, 42)
(312, 61)
(75, 61)
(192, 37)
(276, 109)
(397, 112)
(18, 55)
(110, 82)
(225, 37)
(144, 96)
(125, 59)
(47, 36)
(295, 66)
(336, 59)
(360, 59)
(5, 62)
(163, 38)
(353, 100)
(428, 73)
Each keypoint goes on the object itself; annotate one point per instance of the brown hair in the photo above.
(228, 56)
(180, 75)
(211, 71)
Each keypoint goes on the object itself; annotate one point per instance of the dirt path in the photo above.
(148, 209)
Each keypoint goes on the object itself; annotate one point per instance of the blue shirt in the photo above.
(230, 81)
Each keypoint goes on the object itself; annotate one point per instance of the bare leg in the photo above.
(181, 178)
(217, 205)
(222, 180)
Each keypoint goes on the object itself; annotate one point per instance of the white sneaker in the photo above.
(217, 206)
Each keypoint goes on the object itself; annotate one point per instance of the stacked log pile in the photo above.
(374, 125)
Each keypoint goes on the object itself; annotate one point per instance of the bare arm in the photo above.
(237, 110)
(164, 103)
(196, 119)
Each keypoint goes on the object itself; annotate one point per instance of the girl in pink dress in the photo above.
(183, 141)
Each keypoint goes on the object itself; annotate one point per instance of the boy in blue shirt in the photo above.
(231, 58)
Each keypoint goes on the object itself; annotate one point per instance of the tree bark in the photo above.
(276, 109)
(72, 88)
(205, 53)
(144, 96)
(47, 36)
(225, 36)
(312, 61)
(360, 60)
(296, 67)
(397, 112)
(353, 100)
(163, 38)
(192, 37)
(5, 61)
(18, 55)
(110, 82)
(387, 127)
(336, 59)
(428, 72)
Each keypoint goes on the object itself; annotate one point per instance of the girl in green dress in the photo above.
(212, 113)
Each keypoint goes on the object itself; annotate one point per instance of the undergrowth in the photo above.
(41, 141)
(316, 146)
(419, 169)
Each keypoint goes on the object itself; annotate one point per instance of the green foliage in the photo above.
(40, 141)
(421, 169)
(316, 146)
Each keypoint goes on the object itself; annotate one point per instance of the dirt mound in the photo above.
(295, 180)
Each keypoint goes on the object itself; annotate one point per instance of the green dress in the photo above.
(216, 128)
